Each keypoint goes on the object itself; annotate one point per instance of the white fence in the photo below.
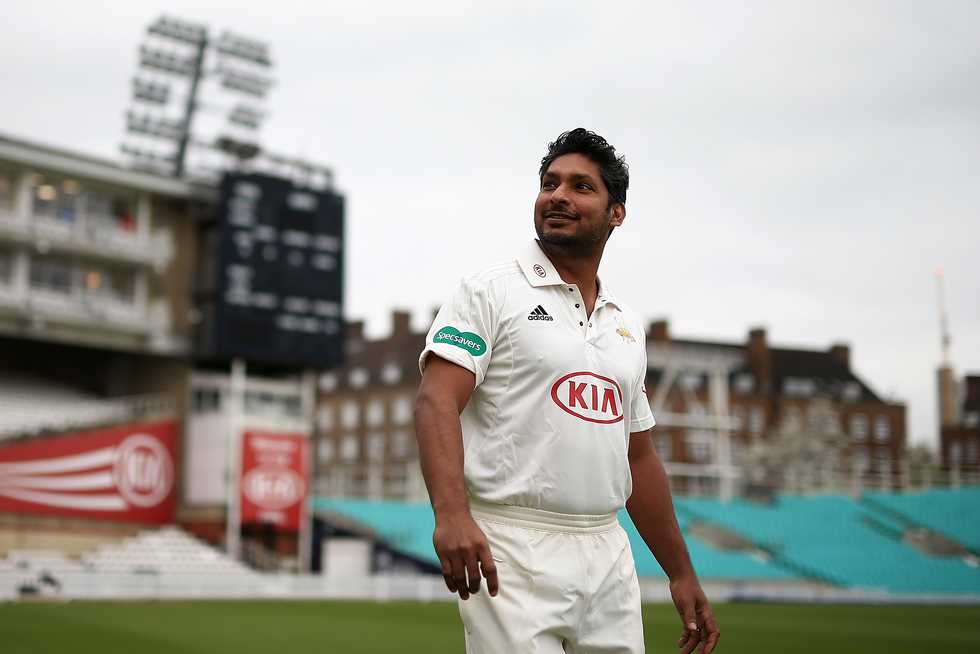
(422, 588)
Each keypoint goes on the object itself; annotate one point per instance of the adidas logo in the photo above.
(538, 313)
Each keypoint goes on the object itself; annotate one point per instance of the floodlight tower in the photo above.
(177, 51)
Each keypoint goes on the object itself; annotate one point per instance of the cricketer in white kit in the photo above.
(533, 428)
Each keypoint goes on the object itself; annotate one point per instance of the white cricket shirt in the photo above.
(557, 393)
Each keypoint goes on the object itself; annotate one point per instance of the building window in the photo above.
(882, 459)
(861, 459)
(325, 418)
(882, 429)
(690, 381)
(391, 374)
(971, 419)
(376, 446)
(401, 410)
(401, 444)
(206, 400)
(358, 377)
(832, 425)
(54, 200)
(51, 275)
(799, 387)
(350, 414)
(851, 391)
(349, 448)
(744, 383)
(955, 454)
(324, 450)
(328, 382)
(664, 445)
(972, 451)
(6, 267)
(375, 414)
(738, 418)
(698, 451)
(792, 420)
(7, 190)
(859, 427)
(756, 420)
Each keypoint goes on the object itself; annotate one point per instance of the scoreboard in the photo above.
(277, 260)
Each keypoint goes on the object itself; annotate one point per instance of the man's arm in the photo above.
(459, 542)
(652, 511)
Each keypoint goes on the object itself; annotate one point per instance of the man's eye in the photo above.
(548, 185)
(585, 186)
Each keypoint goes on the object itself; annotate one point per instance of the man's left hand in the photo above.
(700, 629)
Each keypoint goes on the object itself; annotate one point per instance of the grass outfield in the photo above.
(281, 627)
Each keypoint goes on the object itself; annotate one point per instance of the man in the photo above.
(533, 427)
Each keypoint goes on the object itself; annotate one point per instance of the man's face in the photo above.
(572, 208)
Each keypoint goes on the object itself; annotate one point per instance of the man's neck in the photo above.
(577, 268)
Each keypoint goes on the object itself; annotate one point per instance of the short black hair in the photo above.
(613, 169)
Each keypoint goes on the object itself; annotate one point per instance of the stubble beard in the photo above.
(577, 245)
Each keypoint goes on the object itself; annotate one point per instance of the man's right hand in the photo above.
(463, 551)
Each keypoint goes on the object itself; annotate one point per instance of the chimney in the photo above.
(759, 359)
(355, 330)
(841, 353)
(401, 323)
(948, 411)
(659, 331)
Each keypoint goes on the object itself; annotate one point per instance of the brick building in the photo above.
(798, 418)
(365, 436)
(960, 429)
(782, 417)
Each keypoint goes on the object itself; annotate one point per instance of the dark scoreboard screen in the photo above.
(279, 291)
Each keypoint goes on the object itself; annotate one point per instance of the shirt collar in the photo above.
(537, 267)
(539, 271)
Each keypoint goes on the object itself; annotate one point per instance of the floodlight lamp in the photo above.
(166, 62)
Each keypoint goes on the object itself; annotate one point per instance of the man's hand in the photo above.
(463, 550)
(698, 620)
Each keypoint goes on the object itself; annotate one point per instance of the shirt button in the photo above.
(577, 305)
(570, 290)
(580, 323)
(590, 324)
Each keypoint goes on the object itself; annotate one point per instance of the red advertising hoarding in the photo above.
(123, 473)
(275, 479)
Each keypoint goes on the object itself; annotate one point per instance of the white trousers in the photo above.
(567, 585)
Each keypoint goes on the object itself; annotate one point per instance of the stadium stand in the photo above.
(164, 551)
(32, 406)
(836, 539)
(407, 528)
(953, 513)
(146, 564)
(830, 539)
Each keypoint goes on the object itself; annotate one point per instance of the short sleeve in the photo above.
(641, 417)
(462, 331)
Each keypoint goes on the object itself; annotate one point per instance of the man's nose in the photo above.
(559, 195)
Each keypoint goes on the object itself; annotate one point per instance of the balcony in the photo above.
(79, 317)
(89, 235)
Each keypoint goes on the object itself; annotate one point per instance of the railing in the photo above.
(89, 234)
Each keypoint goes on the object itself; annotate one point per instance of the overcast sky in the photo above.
(800, 166)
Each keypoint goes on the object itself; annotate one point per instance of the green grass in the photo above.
(274, 627)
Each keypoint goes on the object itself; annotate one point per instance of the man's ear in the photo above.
(618, 214)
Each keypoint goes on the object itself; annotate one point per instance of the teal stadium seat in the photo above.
(952, 513)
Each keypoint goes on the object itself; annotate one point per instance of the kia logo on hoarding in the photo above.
(589, 396)
(273, 488)
(143, 470)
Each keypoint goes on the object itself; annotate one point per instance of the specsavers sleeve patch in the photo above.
(462, 331)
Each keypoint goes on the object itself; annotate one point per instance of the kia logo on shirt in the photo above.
(589, 396)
